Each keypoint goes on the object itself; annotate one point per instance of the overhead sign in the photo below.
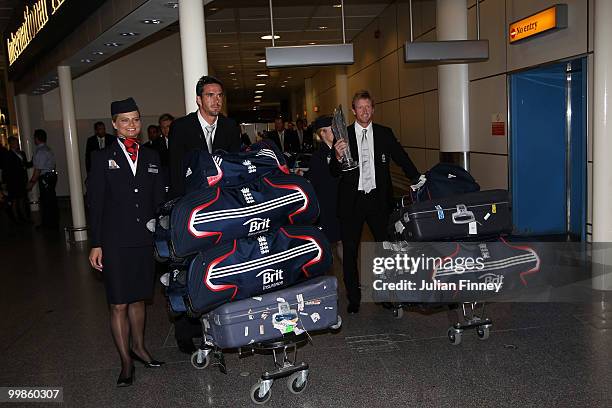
(34, 19)
(552, 18)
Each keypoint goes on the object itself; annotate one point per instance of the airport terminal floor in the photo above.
(54, 332)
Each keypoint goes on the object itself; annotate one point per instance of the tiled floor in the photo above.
(54, 332)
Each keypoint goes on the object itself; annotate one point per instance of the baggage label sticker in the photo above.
(315, 317)
(473, 228)
(261, 329)
(486, 217)
(285, 322)
(300, 299)
(440, 212)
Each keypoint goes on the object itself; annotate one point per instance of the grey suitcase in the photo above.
(309, 306)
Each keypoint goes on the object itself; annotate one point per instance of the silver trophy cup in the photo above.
(340, 133)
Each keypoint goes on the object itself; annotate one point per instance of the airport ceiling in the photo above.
(234, 29)
(233, 34)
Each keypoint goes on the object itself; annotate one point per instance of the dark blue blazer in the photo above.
(121, 204)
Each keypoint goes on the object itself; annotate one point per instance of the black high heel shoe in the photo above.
(148, 364)
(127, 381)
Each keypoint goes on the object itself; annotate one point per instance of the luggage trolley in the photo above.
(474, 317)
(284, 354)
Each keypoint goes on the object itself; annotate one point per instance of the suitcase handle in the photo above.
(463, 216)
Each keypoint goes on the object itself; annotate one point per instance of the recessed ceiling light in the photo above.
(312, 43)
(151, 21)
(172, 4)
(86, 60)
(269, 37)
(97, 53)
(289, 77)
(226, 46)
(258, 96)
(112, 44)
(257, 101)
(213, 9)
(285, 81)
(232, 73)
(129, 34)
(338, 5)
(259, 91)
(262, 75)
(322, 27)
(262, 61)
(260, 84)
(230, 66)
(282, 86)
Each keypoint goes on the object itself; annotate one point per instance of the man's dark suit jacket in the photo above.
(121, 204)
(92, 146)
(291, 141)
(159, 145)
(186, 134)
(14, 172)
(386, 147)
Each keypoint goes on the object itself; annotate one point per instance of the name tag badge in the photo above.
(153, 170)
(112, 165)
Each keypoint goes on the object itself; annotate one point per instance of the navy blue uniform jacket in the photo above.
(121, 204)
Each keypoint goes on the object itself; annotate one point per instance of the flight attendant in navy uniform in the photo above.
(124, 189)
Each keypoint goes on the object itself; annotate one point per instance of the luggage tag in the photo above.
(473, 228)
(440, 212)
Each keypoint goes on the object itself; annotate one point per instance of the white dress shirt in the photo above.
(204, 124)
(370, 138)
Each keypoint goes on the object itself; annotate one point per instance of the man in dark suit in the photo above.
(159, 143)
(205, 128)
(14, 174)
(365, 193)
(286, 140)
(98, 141)
(305, 136)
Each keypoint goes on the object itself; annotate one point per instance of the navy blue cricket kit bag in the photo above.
(442, 180)
(251, 266)
(309, 306)
(202, 219)
(230, 169)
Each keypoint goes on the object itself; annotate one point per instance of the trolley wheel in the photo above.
(483, 332)
(454, 336)
(398, 312)
(296, 383)
(338, 324)
(255, 394)
(202, 364)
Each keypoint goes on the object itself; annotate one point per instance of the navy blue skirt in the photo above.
(129, 274)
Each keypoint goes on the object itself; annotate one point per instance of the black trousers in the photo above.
(368, 209)
(48, 200)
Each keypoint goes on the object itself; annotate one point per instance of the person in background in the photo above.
(304, 136)
(98, 141)
(14, 174)
(165, 121)
(286, 140)
(125, 188)
(324, 183)
(45, 175)
(365, 194)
